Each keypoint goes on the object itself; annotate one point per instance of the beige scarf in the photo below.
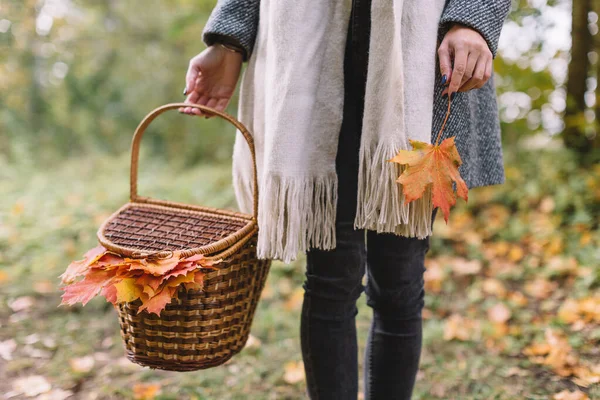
(291, 99)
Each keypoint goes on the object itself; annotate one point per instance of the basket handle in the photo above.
(139, 132)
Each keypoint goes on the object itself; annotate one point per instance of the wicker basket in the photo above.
(201, 328)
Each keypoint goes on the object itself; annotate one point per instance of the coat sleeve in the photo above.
(234, 22)
(485, 16)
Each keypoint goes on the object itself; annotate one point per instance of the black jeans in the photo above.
(394, 267)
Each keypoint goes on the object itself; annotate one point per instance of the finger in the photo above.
(197, 98)
(192, 75)
(445, 63)
(471, 65)
(191, 99)
(211, 103)
(476, 78)
(489, 69)
(460, 66)
(202, 100)
(222, 104)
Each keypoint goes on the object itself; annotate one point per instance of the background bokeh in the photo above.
(513, 300)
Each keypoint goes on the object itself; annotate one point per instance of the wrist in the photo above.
(226, 43)
(231, 47)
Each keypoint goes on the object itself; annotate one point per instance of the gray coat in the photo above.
(474, 116)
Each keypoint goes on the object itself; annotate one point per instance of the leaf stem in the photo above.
(444, 123)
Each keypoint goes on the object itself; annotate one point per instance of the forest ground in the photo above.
(512, 304)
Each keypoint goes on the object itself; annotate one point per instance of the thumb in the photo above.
(445, 62)
(192, 74)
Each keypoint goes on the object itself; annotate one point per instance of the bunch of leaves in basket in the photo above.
(119, 279)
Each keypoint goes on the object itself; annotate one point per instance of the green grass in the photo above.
(49, 217)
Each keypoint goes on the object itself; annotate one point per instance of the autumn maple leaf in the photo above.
(432, 165)
(121, 279)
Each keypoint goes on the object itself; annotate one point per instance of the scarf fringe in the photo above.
(298, 213)
(381, 205)
(301, 212)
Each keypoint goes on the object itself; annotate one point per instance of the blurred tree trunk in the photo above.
(596, 140)
(31, 61)
(574, 133)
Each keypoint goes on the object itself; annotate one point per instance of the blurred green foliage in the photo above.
(78, 76)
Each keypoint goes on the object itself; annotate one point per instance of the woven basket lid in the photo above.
(147, 227)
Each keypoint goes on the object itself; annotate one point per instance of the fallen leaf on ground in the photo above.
(82, 364)
(145, 391)
(3, 277)
(569, 311)
(516, 371)
(434, 276)
(461, 328)
(294, 302)
(568, 395)
(540, 288)
(558, 355)
(294, 372)
(253, 342)
(462, 266)
(494, 287)
(44, 287)
(6, 349)
(518, 298)
(55, 394)
(499, 313)
(21, 303)
(31, 385)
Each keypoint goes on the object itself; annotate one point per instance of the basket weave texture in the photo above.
(200, 328)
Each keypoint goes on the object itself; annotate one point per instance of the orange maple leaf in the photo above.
(432, 165)
(78, 268)
(84, 290)
(155, 267)
(121, 279)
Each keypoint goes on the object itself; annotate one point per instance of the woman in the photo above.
(467, 33)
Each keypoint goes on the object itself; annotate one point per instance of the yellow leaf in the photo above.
(585, 239)
(145, 391)
(518, 298)
(18, 208)
(537, 349)
(127, 290)
(3, 277)
(460, 328)
(586, 376)
(178, 280)
(515, 253)
(569, 311)
(294, 302)
(494, 287)
(294, 372)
